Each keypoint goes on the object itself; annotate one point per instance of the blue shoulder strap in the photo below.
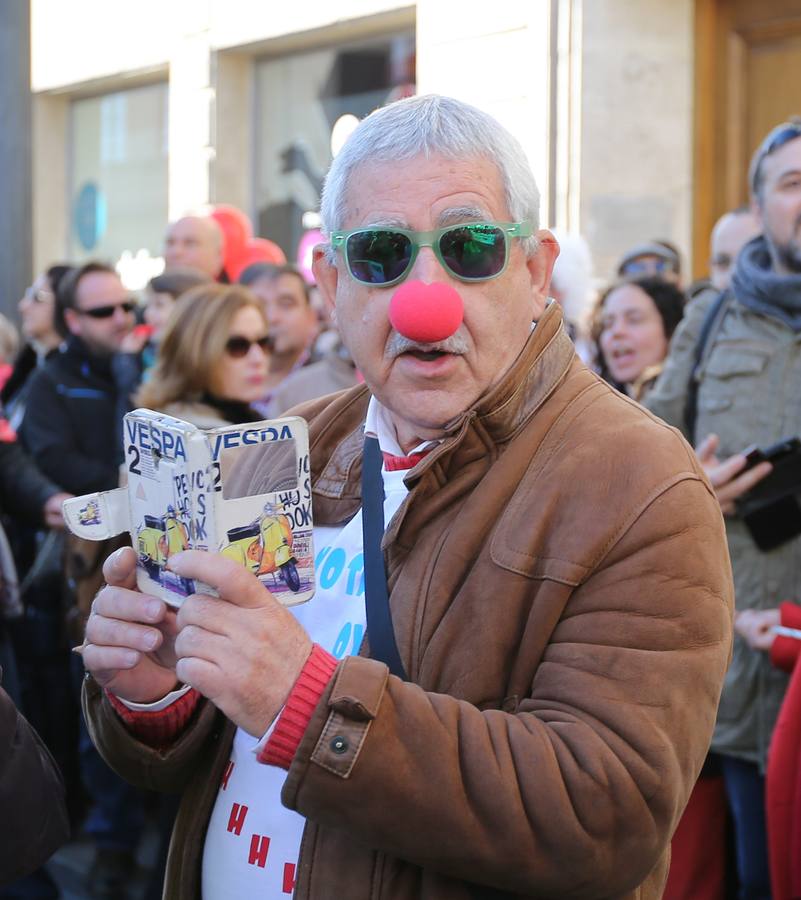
(380, 633)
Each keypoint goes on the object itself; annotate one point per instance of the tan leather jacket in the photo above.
(561, 595)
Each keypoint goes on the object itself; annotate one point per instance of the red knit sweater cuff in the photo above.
(158, 728)
(784, 651)
(314, 678)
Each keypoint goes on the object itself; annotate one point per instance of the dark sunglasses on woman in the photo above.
(238, 345)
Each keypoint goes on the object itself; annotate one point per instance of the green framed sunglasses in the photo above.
(474, 251)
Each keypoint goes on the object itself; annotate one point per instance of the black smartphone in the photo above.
(771, 509)
(781, 450)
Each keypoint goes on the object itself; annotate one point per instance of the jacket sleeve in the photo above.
(785, 651)
(576, 792)
(49, 433)
(165, 769)
(23, 489)
(31, 797)
(668, 397)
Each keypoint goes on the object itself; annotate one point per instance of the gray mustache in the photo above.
(398, 344)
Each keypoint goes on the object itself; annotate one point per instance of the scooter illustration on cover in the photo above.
(243, 491)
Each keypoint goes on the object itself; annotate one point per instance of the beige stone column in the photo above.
(496, 56)
(233, 114)
(636, 126)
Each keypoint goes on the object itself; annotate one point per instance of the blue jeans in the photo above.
(745, 791)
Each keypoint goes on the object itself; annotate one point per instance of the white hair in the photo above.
(572, 277)
(431, 125)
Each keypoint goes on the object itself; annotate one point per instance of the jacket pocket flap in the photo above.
(726, 362)
(536, 567)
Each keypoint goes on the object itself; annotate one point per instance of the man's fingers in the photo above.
(193, 641)
(129, 606)
(201, 674)
(747, 480)
(100, 659)
(113, 632)
(232, 580)
(723, 473)
(120, 568)
(203, 610)
(705, 451)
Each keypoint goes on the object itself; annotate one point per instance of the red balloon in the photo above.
(255, 250)
(236, 229)
(426, 312)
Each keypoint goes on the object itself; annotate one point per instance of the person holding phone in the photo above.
(745, 396)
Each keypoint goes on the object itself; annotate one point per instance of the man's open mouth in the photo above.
(426, 355)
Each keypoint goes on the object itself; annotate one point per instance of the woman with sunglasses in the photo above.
(212, 361)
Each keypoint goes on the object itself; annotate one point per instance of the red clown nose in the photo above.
(426, 312)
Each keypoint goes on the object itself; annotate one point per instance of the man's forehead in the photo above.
(100, 286)
(451, 215)
(732, 227)
(193, 226)
(384, 192)
(784, 160)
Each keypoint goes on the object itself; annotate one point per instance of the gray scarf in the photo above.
(764, 291)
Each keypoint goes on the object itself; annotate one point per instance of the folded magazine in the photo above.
(240, 490)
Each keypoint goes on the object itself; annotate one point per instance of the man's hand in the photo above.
(135, 340)
(727, 477)
(243, 650)
(130, 636)
(52, 512)
(756, 626)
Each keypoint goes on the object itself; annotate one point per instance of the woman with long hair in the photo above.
(212, 361)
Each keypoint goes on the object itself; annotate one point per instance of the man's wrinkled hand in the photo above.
(130, 636)
(756, 627)
(241, 650)
(727, 477)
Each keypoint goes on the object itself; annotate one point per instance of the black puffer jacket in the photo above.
(72, 425)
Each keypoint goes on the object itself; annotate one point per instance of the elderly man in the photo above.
(195, 242)
(541, 681)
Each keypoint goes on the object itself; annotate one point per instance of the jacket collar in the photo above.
(493, 420)
(76, 354)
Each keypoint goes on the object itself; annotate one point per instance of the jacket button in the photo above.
(339, 744)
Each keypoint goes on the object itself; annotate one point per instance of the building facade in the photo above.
(145, 110)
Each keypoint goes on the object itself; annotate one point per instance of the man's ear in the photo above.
(756, 209)
(326, 275)
(540, 267)
(73, 321)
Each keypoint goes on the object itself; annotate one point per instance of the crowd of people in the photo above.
(195, 346)
(553, 757)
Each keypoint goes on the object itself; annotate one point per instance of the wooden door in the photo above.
(747, 79)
